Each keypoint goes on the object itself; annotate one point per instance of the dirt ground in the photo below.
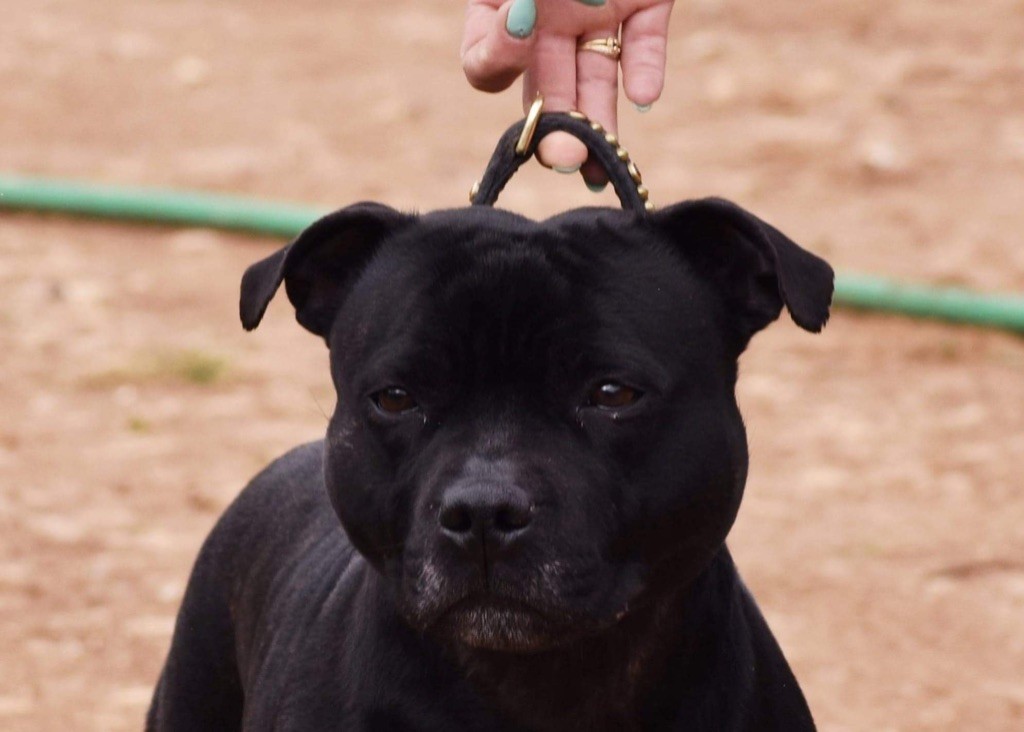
(883, 529)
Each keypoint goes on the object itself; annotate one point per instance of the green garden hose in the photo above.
(154, 206)
(282, 220)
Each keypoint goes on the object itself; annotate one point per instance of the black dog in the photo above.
(536, 457)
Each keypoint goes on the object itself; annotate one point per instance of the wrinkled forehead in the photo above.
(519, 292)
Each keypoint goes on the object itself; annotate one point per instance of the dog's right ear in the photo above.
(319, 266)
(756, 268)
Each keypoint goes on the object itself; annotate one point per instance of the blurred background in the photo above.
(883, 529)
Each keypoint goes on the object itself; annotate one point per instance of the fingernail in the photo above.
(596, 187)
(643, 108)
(522, 16)
(592, 3)
(566, 169)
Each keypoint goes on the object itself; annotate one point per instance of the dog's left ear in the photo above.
(320, 265)
(757, 268)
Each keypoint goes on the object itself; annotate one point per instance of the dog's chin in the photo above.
(489, 623)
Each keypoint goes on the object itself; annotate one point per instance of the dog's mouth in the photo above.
(552, 605)
(494, 623)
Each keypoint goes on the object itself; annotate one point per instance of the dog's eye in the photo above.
(394, 400)
(613, 395)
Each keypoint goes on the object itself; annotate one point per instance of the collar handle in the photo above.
(518, 145)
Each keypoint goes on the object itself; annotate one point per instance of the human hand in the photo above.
(506, 38)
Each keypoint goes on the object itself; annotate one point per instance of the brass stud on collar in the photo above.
(648, 206)
(596, 127)
(576, 115)
(474, 190)
(611, 139)
(622, 153)
(643, 192)
(634, 172)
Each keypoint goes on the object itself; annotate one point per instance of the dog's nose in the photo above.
(484, 512)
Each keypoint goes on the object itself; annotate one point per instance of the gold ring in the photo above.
(530, 125)
(610, 47)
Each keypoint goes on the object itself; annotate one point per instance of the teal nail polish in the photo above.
(522, 16)
(597, 187)
(566, 169)
(642, 108)
(592, 3)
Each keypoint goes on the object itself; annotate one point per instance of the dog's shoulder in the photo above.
(283, 509)
(281, 513)
(289, 487)
(236, 600)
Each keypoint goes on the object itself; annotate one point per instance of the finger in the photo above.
(553, 73)
(644, 43)
(498, 42)
(597, 91)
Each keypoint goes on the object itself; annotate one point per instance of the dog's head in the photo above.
(536, 427)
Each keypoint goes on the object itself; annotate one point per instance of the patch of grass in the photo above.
(189, 366)
(139, 425)
(192, 366)
(949, 350)
(202, 502)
